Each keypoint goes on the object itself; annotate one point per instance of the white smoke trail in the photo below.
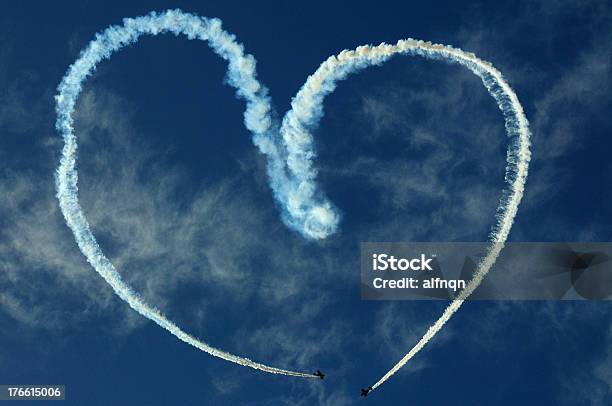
(317, 214)
(241, 75)
(303, 207)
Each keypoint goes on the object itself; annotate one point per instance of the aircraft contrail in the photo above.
(307, 110)
(257, 118)
(290, 157)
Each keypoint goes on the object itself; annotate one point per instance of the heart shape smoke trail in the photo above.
(290, 156)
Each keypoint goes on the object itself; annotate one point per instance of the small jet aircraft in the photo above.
(364, 392)
(319, 374)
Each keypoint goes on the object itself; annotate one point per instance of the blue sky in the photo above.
(177, 195)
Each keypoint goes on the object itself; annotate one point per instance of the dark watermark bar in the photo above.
(523, 271)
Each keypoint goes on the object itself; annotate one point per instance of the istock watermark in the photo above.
(523, 271)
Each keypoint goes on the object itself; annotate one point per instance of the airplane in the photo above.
(319, 374)
(364, 392)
